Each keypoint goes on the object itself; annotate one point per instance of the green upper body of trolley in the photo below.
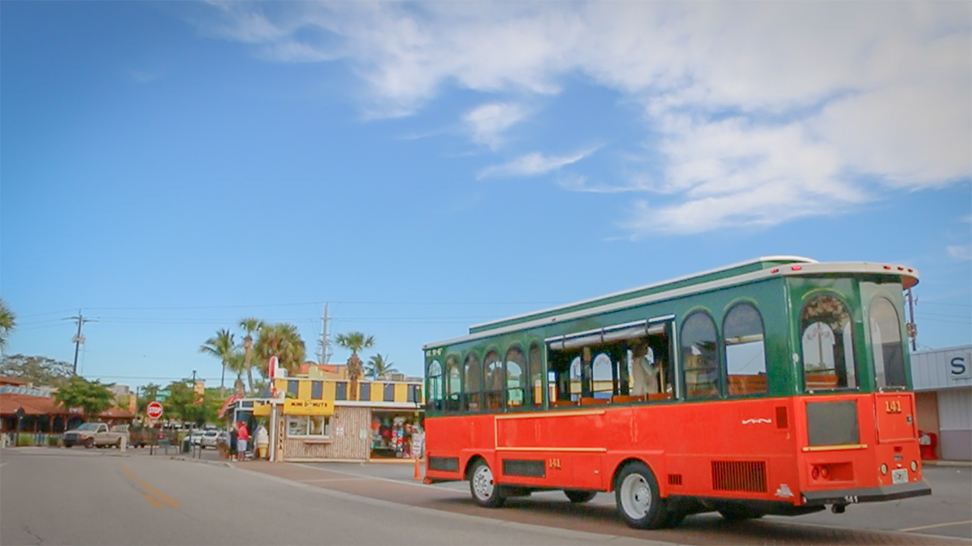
(788, 292)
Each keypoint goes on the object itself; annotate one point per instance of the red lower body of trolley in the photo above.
(744, 458)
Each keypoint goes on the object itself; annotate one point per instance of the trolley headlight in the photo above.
(884, 469)
(914, 466)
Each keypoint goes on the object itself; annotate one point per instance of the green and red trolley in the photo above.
(775, 386)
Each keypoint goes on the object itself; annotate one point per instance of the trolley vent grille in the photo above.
(674, 479)
(739, 476)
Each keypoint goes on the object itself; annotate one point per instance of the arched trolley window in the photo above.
(827, 339)
(886, 345)
(435, 386)
(700, 356)
(745, 351)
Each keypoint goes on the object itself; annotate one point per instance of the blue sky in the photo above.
(170, 168)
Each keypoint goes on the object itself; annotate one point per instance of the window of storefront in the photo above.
(308, 425)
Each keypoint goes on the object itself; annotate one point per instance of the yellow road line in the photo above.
(151, 499)
(149, 488)
(909, 529)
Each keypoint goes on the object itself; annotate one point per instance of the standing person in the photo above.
(231, 448)
(242, 437)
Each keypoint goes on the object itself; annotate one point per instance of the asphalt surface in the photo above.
(77, 496)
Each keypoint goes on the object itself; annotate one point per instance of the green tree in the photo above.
(379, 365)
(38, 370)
(148, 395)
(222, 347)
(8, 321)
(250, 325)
(354, 341)
(91, 396)
(283, 341)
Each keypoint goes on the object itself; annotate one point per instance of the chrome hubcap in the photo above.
(483, 482)
(635, 496)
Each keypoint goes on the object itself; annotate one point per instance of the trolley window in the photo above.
(828, 345)
(700, 356)
(889, 367)
(745, 350)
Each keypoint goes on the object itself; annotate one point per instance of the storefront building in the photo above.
(943, 394)
(319, 418)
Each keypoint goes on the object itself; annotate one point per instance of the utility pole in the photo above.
(912, 327)
(324, 342)
(78, 338)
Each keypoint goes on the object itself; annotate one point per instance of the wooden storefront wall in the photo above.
(348, 445)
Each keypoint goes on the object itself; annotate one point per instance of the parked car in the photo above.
(96, 434)
(209, 438)
(195, 437)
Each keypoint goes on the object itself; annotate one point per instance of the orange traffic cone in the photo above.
(418, 470)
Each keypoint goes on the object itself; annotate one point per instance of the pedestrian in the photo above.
(231, 448)
(242, 437)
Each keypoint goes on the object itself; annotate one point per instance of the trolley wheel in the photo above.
(485, 491)
(636, 493)
(578, 496)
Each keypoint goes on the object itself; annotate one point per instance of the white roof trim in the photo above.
(811, 267)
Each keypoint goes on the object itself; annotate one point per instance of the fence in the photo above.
(23, 439)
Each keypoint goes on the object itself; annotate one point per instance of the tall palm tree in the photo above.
(222, 347)
(355, 341)
(8, 321)
(249, 325)
(379, 365)
(283, 341)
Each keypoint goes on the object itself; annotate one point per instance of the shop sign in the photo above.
(261, 409)
(308, 407)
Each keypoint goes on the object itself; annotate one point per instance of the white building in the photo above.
(943, 393)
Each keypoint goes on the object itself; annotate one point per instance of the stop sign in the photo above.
(154, 410)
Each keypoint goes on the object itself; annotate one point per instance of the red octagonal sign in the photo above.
(154, 410)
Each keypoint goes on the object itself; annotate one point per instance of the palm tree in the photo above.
(283, 341)
(8, 321)
(250, 325)
(380, 365)
(355, 341)
(221, 346)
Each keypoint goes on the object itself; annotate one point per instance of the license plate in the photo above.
(899, 476)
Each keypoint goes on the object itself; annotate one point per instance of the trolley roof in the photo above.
(749, 271)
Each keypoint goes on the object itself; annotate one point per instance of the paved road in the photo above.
(60, 496)
(946, 514)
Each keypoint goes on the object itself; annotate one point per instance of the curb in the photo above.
(938, 462)
(226, 464)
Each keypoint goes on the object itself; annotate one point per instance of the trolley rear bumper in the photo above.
(867, 494)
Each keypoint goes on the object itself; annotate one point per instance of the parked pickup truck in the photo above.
(96, 434)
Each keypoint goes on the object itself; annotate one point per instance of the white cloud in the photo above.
(533, 164)
(960, 252)
(487, 122)
(792, 104)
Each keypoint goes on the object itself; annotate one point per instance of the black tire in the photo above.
(579, 496)
(636, 494)
(68, 444)
(89, 443)
(485, 491)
